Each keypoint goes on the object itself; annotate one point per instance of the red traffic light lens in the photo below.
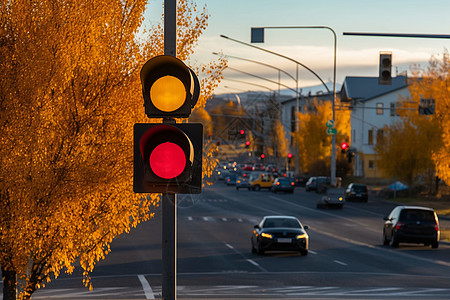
(167, 160)
(247, 143)
(262, 156)
(344, 146)
(289, 155)
(242, 131)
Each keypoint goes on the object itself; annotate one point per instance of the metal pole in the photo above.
(169, 201)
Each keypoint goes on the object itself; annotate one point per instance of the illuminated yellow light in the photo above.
(168, 93)
(340, 198)
(266, 235)
(301, 236)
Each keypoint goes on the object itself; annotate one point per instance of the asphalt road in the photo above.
(346, 260)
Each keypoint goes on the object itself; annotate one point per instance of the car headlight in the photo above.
(266, 235)
(301, 236)
(340, 199)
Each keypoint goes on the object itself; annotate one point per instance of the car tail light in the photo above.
(398, 225)
(278, 183)
(436, 227)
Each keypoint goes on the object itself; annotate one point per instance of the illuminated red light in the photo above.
(167, 160)
(262, 156)
(344, 146)
(289, 155)
(247, 143)
(242, 131)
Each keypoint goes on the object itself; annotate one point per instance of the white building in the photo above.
(373, 106)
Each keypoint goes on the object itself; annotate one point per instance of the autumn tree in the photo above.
(314, 145)
(69, 95)
(435, 85)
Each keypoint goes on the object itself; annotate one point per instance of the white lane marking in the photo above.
(224, 219)
(190, 218)
(229, 246)
(147, 288)
(253, 262)
(249, 260)
(340, 262)
(205, 219)
(240, 220)
(312, 252)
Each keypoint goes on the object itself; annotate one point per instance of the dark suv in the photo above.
(356, 192)
(411, 224)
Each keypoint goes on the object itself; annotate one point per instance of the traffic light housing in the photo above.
(247, 144)
(385, 75)
(168, 158)
(170, 89)
(289, 158)
(344, 147)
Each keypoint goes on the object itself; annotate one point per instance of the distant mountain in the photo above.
(262, 95)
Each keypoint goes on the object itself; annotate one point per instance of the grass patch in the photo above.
(442, 207)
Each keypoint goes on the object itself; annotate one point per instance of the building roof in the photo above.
(366, 88)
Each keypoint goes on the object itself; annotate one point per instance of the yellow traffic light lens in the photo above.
(168, 93)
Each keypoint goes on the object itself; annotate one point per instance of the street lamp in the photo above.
(257, 34)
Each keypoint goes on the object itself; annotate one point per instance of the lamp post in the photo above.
(257, 34)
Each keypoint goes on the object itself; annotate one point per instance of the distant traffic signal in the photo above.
(344, 147)
(385, 76)
(247, 144)
(262, 156)
(289, 157)
(168, 158)
(169, 87)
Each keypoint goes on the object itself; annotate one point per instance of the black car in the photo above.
(282, 184)
(411, 224)
(356, 192)
(282, 233)
(315, 183)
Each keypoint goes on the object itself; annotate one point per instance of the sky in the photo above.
(314, 48)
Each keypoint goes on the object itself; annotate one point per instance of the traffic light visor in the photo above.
(168, 93)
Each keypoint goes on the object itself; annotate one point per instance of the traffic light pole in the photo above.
(169, 200)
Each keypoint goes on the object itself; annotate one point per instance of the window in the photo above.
(380, 136)
(371, 164)
(393, 109)
(380, 108)
(370, 137)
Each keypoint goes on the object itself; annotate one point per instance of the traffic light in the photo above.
(169, 87)
(385, 76)
(262, 156)
(344, 147)
(168, 158)
(289, 157)
(247, 144)
(242, 132)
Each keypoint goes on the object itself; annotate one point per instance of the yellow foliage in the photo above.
(312, 140)
(70, 93)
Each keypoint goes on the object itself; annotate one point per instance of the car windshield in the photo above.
(416, 215)
(288, 223)
(283, 180)
(359, 188)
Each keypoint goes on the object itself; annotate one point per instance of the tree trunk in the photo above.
(9, 284)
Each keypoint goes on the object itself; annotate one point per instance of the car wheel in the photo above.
(253, 249)
(385, 240)
(260, 251)
(394, 242)
(237, 189)
(435, 245)
(256, 188)
(304, 252)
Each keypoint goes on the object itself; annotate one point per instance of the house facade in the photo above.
(372, 107)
